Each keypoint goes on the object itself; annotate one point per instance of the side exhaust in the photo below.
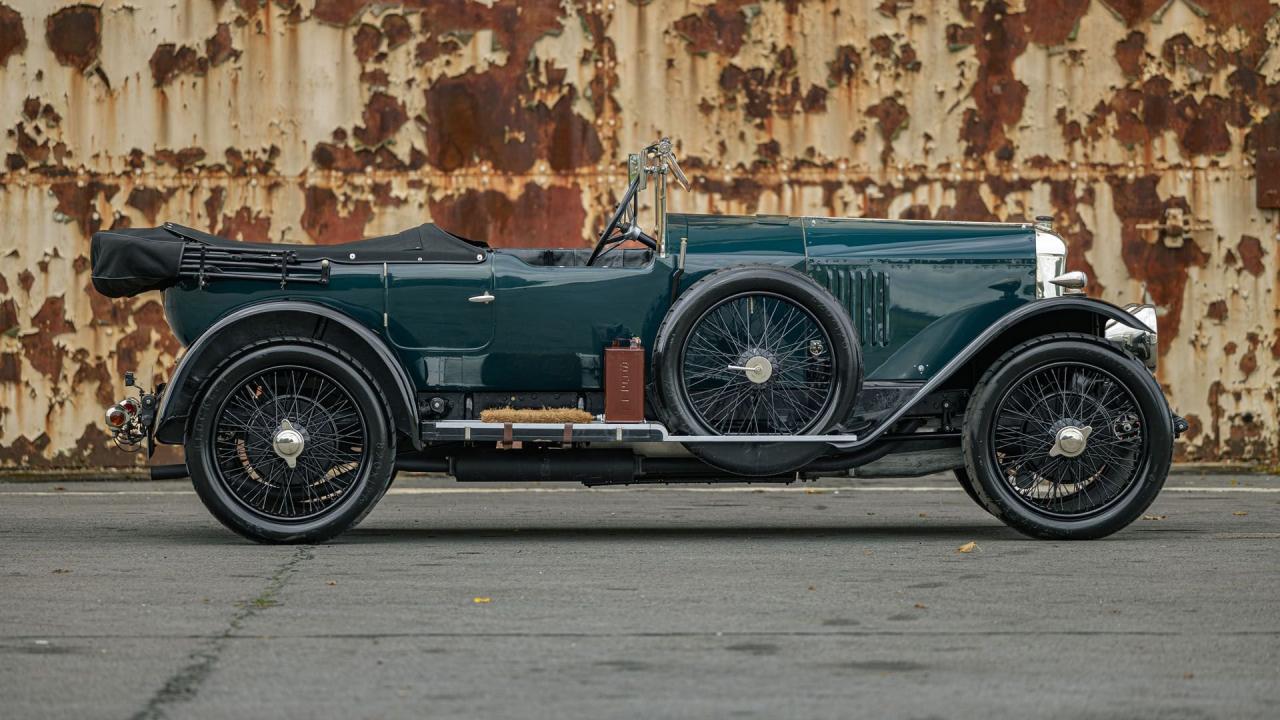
(169, 472)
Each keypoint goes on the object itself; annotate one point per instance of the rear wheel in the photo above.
(1067, 438)
(291, 443)
(757, 350)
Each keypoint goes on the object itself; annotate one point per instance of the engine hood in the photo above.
(850, 237)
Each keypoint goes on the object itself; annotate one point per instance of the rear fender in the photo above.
(275, 318)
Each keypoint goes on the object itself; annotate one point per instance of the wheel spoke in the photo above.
(244, 455)
(771, 331)
(1026, 426)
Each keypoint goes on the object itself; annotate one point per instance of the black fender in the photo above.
(206, 354)
(1051, 315)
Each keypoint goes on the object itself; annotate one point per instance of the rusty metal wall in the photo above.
(1150, 130)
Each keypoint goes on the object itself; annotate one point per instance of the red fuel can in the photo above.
(624, 382)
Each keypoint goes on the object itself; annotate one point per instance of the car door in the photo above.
(440, 308)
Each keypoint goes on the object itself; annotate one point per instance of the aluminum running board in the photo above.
(478, 431)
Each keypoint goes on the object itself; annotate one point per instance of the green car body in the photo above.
(918, 292)
(767, 347)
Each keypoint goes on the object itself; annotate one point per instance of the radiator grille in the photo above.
(864, 293)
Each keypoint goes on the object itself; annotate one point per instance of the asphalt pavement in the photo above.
(837, 599)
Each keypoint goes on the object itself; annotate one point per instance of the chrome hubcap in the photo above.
(758, 369)
(288, 443)
(1071, 441)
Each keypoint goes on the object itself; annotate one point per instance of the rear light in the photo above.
(116, 417)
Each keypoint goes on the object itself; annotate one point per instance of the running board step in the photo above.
(479, 431)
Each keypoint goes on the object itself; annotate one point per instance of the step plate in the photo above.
(477, 431)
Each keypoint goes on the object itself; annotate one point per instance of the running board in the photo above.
(567, 433)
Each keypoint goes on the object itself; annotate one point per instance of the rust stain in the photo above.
(1129, 53)
(383, 117)
(170, 60)
(845, 65)
(534, 218)
(1163, 269)
(326, 223)
(148, 200)
(1251, 252)
(1265, 139)
(719, 28)
(8, 316)
(13, 36)
(245, 224)
(74, 35)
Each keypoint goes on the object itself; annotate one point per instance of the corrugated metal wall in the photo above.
(1142, 126)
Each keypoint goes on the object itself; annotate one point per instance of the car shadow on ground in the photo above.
(661, 533)
(614, 533)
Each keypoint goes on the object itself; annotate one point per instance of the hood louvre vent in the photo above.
(864, 293)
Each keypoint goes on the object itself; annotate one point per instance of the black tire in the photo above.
(345, 464)
(785, 291)
(966, 483)
(1021, 468)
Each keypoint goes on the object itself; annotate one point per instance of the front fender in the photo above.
(1050, 315)
(210, 349)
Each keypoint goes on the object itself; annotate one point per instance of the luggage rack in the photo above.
(202, 262)
(565, 433)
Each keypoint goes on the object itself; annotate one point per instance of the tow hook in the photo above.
(1180, 425)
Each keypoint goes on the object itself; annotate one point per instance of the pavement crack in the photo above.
(183, 685)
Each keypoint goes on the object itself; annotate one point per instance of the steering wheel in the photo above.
(630, 229)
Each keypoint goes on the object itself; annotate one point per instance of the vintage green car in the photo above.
(717, 349)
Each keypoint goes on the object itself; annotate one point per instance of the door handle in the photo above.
(486, 298)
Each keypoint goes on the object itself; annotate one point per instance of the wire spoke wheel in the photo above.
(1068, 439)
(289, 443)
(758, 363)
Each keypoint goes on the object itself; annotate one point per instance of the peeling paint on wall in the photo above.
(1149, 130)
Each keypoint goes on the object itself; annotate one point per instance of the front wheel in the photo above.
(1067, 438)
(291, 443)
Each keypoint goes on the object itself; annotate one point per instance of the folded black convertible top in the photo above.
(130, 261)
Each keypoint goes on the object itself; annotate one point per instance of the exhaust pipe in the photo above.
(589, 467)
(169, 472)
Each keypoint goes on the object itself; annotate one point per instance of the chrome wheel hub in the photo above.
(288, 443)
(757, 368)
(1070, 441)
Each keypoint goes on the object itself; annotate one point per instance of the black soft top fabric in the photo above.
(130, 261)
(426, 243)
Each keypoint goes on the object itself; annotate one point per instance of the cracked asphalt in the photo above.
(839, 599)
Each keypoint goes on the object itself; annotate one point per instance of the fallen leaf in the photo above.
(1239, 513)
(59, 488)
(812, 588)
(924, 514)
(482, 600)
(330, 583)
(968, 547)
(1188, 676)
(813, 491)
(920, 606)
(1154, 517)
(60, 571)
